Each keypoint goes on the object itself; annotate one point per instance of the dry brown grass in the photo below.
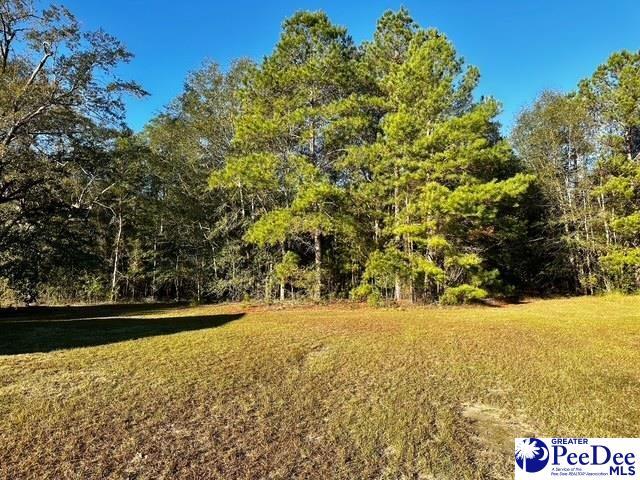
(325, 392)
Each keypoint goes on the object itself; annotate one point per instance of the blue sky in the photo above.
(520, 47)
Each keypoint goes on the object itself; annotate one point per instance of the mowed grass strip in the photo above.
(328, 392)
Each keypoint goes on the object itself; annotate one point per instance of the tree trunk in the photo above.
(116, 255)
(376, 231)
(177, 278)
(318, 258)
(397, 293)
(198, 280)
(282, 280)
(154, 286)
(267, 284)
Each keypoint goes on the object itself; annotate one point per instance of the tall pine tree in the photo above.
(446, 175)
(301, 110)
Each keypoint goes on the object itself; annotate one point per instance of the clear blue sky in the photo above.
(520, 47)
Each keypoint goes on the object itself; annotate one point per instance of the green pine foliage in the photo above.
(442, 174)
(327, 170)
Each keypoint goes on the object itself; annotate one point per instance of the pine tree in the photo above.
(300, 111)
(447, 175)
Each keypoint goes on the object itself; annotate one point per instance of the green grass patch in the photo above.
(324, 392)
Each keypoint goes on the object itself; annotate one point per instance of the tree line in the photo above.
(328, 170)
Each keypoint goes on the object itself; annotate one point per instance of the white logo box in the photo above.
(577, 458)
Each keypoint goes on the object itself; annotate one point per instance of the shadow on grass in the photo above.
(84, 311)
(48, 335)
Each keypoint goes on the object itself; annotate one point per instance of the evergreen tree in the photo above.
(300, 111)
(447, 175)
(326, 169)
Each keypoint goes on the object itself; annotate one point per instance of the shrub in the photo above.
(462, 294)
(361, 292)
(374, 299)
(8, 296)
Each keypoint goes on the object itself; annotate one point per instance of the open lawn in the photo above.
(235, 391)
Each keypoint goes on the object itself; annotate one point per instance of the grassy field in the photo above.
(328, 392)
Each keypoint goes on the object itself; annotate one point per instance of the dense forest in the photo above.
(328, 170)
